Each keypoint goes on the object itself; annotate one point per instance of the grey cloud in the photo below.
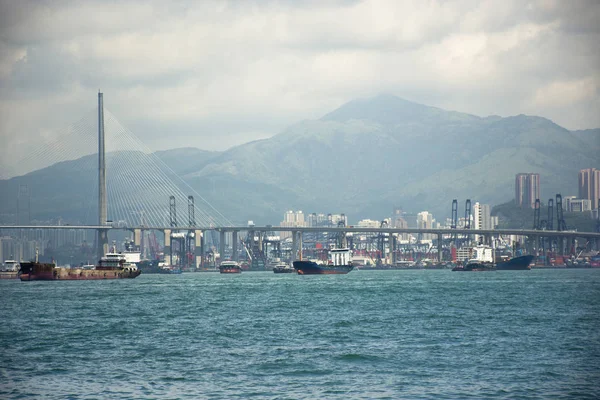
(248, 69)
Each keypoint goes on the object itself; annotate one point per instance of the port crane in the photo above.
(381, 244)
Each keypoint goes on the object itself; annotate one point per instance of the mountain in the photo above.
(369, 156)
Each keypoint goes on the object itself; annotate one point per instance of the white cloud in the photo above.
(192, 67)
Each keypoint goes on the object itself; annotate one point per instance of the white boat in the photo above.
(283, 268)
(116, 260)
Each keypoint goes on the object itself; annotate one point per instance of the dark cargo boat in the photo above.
(516, 263)
(111, 266)
(339, 263)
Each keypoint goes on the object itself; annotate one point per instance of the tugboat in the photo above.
(283, 268)
(230, 267)
(111, 266)
(483, 260)
(339, 262)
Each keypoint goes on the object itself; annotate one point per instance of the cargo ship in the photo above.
(339, 262)
(111, 266)
(516, 264)
(230, 267)
(10, 270)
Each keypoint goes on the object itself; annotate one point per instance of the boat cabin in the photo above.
(11, 266)
(340, 257)
(482, 254)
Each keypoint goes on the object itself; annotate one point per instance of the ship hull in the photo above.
(475, 267)
(49, 272)
(283, 270)
(230, 270)
(312, 268)
(516, 264)
(9, 274)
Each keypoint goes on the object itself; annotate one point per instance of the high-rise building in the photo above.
(527, 189)
(425, 221)
(292, 219)
(580, 205)
(481, 216)
(589, 185)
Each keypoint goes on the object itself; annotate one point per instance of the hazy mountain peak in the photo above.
(388, 110)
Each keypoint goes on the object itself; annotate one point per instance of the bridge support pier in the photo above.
(440, 240)
(487, 239)
(560, 244)
(202, 250)
(137, 237)
(198, 248)
(222, 245)
(393, 245)
(234, 246)
(167, 249)
(102, 242)
(296, 245)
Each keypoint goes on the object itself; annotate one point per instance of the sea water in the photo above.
(366, 335)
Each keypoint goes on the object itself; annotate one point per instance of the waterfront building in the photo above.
(335, 219)
(566, 202)
(292, 219)
(527, 189)
(19, 249)
(368, 223)
(481, 216)
(580, 205)
(425, 221)
(495, 221)
(589, 185)
(398, 221)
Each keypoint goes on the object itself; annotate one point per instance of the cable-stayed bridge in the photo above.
(138, 182)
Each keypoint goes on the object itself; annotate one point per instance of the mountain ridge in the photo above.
(369, 155)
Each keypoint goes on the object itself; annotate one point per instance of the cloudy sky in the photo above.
(216, 74)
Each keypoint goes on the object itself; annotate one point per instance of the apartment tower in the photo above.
(527, 189)
(589, 185)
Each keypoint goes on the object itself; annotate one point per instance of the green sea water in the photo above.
(366, 335)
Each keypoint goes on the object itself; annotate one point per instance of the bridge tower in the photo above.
(102, 234)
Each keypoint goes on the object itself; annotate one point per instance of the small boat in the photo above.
(230, 267)
(283, 268)
(111, 266)
(339, 262)
(10, 270)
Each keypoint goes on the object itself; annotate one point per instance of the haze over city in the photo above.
(218, 74)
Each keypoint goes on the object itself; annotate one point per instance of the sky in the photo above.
(217, 74)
